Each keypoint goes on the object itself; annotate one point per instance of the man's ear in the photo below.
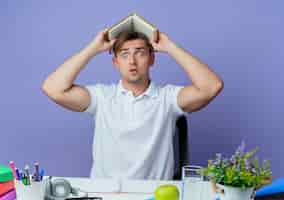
(152, 58)
(114, 61)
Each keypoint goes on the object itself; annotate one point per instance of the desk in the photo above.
(129, 189)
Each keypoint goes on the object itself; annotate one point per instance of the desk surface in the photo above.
(121, 190)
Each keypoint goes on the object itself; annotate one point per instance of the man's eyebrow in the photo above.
(138, 48)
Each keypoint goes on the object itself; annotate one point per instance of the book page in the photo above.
(143, 27)
(125, 25)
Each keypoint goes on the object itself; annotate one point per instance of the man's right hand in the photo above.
(59, 85)
(100, 43)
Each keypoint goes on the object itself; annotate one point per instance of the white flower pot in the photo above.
(235, 193)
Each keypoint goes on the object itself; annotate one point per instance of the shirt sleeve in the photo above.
(172, 92)
(93, 92)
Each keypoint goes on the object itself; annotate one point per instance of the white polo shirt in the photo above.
(133, 135)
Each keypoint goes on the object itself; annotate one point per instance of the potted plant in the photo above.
(238, 176)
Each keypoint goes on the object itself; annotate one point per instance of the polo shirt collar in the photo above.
(151, 91)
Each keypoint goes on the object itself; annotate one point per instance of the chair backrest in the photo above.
(181, 154)
(279, 196)
(273, 191)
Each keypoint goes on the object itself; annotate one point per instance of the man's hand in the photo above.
(206, 84)
(163, 44)
(100, 44)
(60, 86)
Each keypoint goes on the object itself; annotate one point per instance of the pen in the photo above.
(18, 174)
(21, 174)
(27, 174)
(24, 179)
(36, 174)
(41, 174)
(12, 165)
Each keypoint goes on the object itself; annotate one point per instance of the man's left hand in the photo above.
(163, 44)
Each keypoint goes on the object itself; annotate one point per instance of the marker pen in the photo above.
(12, 165)
(41, 174)
(18, 174)
(21, 174)
(27, 174)
(36, 174)
(24, 179)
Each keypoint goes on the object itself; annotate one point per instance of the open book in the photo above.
(134, 23)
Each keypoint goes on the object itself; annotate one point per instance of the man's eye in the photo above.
(141, 52)
(124, 55)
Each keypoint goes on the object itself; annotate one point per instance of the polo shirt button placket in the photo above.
(134, 109)
(131, 104)
(133, 99)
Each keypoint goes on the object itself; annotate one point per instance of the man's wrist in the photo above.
(91, 50)
(171, 48)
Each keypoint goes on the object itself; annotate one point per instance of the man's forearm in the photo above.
(202, 77)
(63, 78)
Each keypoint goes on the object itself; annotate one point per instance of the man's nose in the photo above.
(132, 59)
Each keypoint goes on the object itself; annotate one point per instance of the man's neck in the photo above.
(136, 88)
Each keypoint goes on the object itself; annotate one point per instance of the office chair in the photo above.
(181, 155)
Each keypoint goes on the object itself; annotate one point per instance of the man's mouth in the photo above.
(133, 70)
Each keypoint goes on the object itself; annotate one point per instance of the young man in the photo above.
(134, 119)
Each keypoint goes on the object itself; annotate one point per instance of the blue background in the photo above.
(241, 40)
